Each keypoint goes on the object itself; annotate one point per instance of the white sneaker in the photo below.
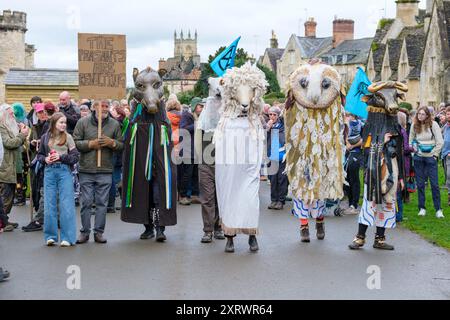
(50, 242)
(351, 211)
(422, 213)
(65, 244)
(440, 214)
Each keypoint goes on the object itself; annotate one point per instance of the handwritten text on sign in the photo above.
(102, 66)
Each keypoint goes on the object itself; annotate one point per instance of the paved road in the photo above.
(183, 268)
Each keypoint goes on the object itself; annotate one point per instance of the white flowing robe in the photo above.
(239, 157)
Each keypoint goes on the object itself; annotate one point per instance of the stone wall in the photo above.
(12, 48)
(432, 77)
(288, 63)
(178, 86)
(12, 44)
(266, 62)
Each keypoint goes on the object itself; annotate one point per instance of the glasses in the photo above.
(422, 114)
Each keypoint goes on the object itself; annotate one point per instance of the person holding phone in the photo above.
(58, 153)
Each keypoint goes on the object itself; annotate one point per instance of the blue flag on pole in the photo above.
(225, 60)
(358, 89)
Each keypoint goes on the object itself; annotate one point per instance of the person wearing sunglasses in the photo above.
(276, 151)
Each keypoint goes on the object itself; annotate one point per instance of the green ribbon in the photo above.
(167, 169)
(131, 167)
(148, 167)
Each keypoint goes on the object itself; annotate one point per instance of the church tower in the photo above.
(186, 48)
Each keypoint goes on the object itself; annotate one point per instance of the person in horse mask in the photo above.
(149, 173)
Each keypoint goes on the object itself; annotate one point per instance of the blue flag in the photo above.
(225, 60)
(358, 89)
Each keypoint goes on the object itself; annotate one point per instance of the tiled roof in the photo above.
(274, 55)
(357, 50)
(415, 42)
(182, 70)
(378, 56)
(415, 46)
(395, 49)
(42, 77)
(314, 47)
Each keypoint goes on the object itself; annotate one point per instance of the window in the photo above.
(292, 56)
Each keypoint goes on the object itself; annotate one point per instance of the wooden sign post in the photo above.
(101, 70)
(99, 134)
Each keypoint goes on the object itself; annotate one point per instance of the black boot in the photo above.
(230, 245)
(149, 232)
(380, 243)
(320, 230)
(304, 234)
(253, 244)
(160, 236)
(357, 243)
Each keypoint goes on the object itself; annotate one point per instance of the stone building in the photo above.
(272, 54)
(435, 73)
(414, 48)
(397, 49)
(14, 52)
(184, 68)
(340, 50)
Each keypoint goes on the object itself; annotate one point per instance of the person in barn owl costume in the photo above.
(313, 122)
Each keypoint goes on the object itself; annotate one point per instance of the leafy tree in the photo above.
(186, 97)
(405, 105)
(166, 92)
(271, 79)
(201, 87)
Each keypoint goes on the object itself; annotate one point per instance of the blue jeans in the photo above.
(58, 186)
(427, 168)
(116, 177)
(399, 217)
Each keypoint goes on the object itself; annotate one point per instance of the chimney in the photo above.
(407, 11)
(274, 41)
(310, 28)
(343, 29)
(162, 64)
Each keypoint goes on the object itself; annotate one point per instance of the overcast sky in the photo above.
(149, 25)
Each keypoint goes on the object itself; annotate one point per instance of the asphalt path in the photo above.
(184, 268)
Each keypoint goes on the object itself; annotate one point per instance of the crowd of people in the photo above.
(51, 153)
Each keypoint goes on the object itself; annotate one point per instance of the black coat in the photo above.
(143, 196)
(71, 115)
(188, 123)
(71, 158)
